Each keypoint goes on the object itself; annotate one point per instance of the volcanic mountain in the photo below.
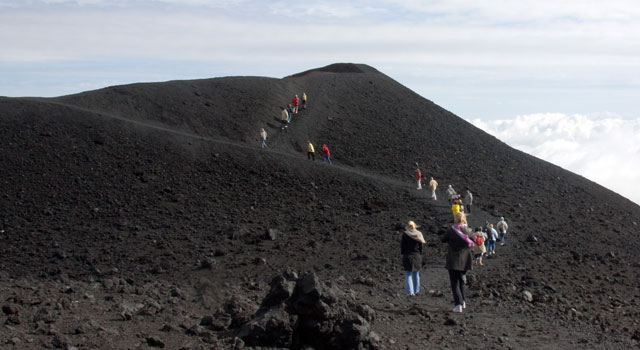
(148, 216)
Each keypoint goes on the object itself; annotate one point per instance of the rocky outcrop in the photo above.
(308, 312)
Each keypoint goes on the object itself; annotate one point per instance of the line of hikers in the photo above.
(291, 109)
(458, 204)
(285, 118)
(465, 247)
(433, 184)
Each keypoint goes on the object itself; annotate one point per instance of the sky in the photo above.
(557, 79)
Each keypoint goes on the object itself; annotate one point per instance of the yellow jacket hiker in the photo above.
(310, 151)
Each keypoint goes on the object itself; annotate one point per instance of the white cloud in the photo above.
(604, 149)
(384, 32)
(507, 11)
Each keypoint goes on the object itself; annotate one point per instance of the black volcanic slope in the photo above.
(132, 212)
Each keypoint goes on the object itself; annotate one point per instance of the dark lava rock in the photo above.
(207, 263)
(11, 309)
(314, 315)
(450, 322)
(60, 341)
(326, 318)
(155, 342)
(45, 315)
(281, 290)
(273, 327)
(237, 310)
(206, 321)
(375, 205)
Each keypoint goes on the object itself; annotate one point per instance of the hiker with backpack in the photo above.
(479, 249)
(419, 178)
(284, 118)
(450, 194)
(433, 185)
(502, 229)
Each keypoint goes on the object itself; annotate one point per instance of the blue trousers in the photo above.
(491, 246)
(412, 282)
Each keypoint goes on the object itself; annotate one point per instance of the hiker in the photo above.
(502, 229)
(284, 118)
(326, 154)
(450, 193)
(295, 102)
(479, 249)
(419, 178)
(263, 137)
(468, 201)
(290, 111)
(433, 185)
(411, 248)
(456, 207)
(304, 100)
(491, 240)
(311, 152)
(458, 260)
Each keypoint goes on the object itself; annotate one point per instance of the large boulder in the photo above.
(328, 318)
(309, 313)
(272, 328)
(234, 313)
(311, 298)
(281, 290)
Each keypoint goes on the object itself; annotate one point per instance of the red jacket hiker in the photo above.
(295, 101)
(326, 154)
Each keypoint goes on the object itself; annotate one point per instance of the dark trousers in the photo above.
(457, 286)
(311, 155)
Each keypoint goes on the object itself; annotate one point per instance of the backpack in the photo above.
(479, 240)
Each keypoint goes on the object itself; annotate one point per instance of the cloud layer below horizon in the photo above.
(604, 149)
